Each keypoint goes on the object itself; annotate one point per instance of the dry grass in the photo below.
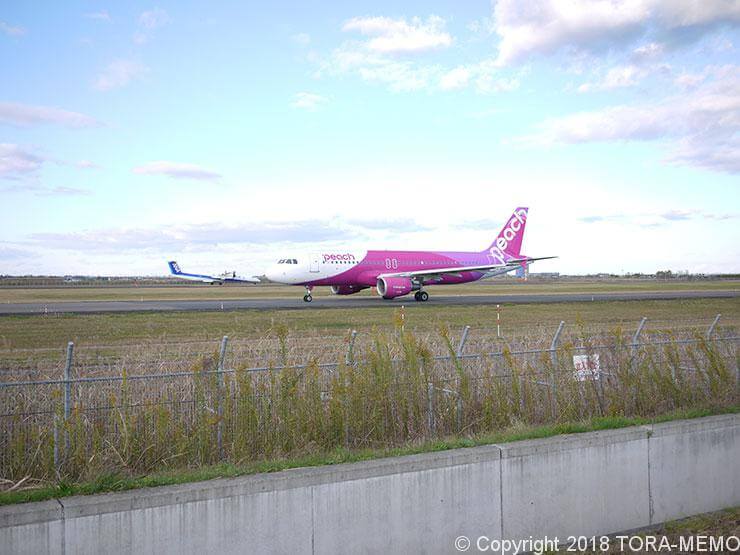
(398, 392)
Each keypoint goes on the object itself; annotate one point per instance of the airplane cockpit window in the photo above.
(281, 261)
(295, 261)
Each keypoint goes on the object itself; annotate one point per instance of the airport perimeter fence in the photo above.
(380, 390)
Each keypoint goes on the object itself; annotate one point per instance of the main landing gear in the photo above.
(307, 297)
(421, 296)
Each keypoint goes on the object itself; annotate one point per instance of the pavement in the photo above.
(100, 307)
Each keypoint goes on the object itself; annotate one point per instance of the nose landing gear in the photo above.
(307, 297)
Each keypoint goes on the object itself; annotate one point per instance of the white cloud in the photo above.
(394, 36)
(703, 124)
(391, 57)
(99, 16)
(616, 77)
(546, 26)
(118, 74)
(411, 75)
(456, 78)
(12, 30)
(148, 22)
(153, 19)
(24, 115)
(487, 84)
(308, 101)
(399, 75)
(647, 51)
(196, 237)
(17, 163)
(687, 13)
(177, 171)
(65, 191)
(483, 75)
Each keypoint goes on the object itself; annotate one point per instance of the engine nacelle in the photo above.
(392, 287)
(346, 289)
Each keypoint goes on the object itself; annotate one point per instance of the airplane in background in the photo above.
(220, 279)
(398, 273)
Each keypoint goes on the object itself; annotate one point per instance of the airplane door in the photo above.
(314, 262)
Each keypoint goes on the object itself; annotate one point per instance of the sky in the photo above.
(226, 135)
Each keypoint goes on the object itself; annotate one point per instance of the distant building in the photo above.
(546, 275)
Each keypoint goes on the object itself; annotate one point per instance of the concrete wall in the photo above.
(594, 483)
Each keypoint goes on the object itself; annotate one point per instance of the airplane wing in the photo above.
(231, 277)
(438, 272)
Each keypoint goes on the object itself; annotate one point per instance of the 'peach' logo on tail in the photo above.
(513, 226)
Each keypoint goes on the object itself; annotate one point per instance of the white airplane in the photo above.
(220, 279)
(398, 273)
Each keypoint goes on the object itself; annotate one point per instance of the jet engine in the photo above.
(346, 289)
(392, 287)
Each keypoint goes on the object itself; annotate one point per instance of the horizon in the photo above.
(222, 136)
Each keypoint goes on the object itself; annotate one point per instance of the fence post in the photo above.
(463, 339)
(221, 393)
(553, 378)
(350, 349)
(636, 337)
(68, 394)
(430, 408)
(710, 331)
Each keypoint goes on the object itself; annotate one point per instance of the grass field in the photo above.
(227, 292)
(54, 331)
(122, 430)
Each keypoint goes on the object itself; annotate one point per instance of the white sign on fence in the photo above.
(587, 367)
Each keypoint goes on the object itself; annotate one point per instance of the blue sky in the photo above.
(224, 134)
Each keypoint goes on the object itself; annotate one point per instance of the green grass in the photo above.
(119, 482)
(716, 524)
(54, 331)
(214, 292)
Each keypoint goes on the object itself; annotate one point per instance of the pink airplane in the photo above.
(398, 273)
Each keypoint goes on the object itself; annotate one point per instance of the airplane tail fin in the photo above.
(174, 267)
(508, 243)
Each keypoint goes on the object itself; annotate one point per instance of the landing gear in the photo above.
(421, 296)
(307, 297)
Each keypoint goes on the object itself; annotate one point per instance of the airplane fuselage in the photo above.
(356, 270)
(362, 268)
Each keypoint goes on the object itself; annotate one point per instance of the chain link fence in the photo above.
(143, 408)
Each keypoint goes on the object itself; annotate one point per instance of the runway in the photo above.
(101, 307)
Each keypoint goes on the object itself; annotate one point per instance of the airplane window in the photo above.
(295, 261)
